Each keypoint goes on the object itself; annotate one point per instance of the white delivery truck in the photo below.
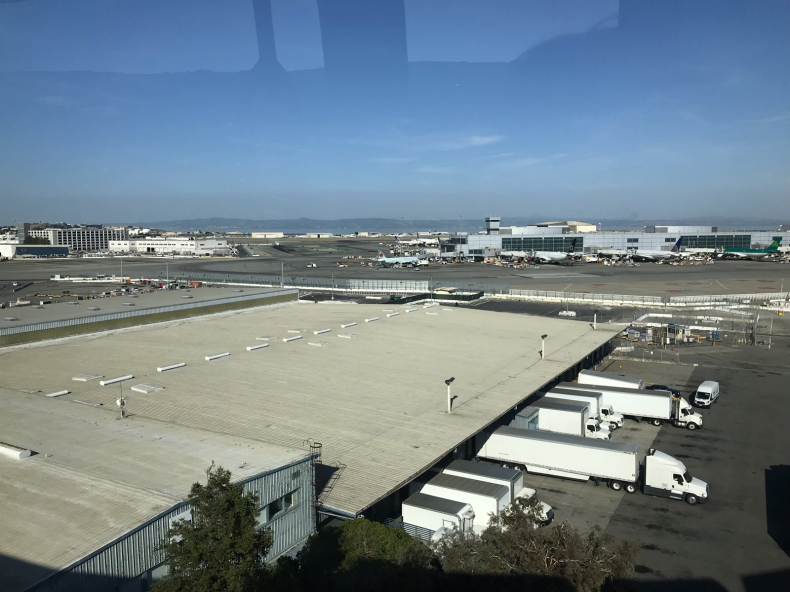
(572, 457)
(604, 413)
(563, 417)
(706, 394)
(607, 379)
(513, 479)
(485, 498)
(641, 404)
(432, 513)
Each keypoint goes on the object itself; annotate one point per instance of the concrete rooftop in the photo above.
(377, 403)
(93, 478)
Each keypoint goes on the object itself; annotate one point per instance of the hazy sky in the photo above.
(134, 110)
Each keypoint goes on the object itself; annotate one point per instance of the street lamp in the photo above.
(448, 382)
(543, 346)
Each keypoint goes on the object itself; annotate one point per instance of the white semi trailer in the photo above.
(432, 513)
(606, 379)
(485, 498)
(604, 413)
(513, 479)
(572, 457)
(641, 404)
(562, 417)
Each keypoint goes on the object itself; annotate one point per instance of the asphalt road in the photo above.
(740, 539)
(723, 277)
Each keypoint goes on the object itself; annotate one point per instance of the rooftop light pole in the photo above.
(543, 346)
(448, 382)
(595, 319)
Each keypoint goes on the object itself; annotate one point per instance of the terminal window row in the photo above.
(727, 241)
(542, 244)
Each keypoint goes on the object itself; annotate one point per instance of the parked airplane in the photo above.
(650, 255)
(390, 261)
(555, 256)
(751, 253)
(646, 255)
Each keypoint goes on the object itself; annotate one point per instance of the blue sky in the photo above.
(120, 110)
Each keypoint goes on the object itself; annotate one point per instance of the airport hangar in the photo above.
(95, 501)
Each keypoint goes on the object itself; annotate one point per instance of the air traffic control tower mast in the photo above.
(492, 224)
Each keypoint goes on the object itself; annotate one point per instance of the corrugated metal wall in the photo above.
(136, 552)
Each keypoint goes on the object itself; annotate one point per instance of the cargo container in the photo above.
(485, 498)
(563, 417)
(513, 479)
(604, 413)
(606, 379)
(648, 405)
(573, 457)
(432, 513)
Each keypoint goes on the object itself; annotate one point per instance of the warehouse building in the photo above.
(171, 246)
(373, 394)
(89, 508)
(560, 236)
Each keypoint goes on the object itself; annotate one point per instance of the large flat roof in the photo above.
(376, 402)
(93, 478)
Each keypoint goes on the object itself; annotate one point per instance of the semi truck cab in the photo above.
(615, 419)
(684, 415)
(598, 430)
(666, 476)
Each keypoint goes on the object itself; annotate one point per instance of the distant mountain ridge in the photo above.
(349, 225)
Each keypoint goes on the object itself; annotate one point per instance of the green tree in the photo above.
(514, 544)
(222, 549)
(35, 240)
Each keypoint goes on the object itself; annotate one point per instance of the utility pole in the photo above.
(543, 346)
(282, 274)
(448, 382)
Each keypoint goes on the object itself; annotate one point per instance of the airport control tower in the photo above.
(492, 224)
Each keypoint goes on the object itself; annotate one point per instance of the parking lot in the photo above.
(740, 539)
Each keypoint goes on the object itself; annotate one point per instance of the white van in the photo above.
(706, 394)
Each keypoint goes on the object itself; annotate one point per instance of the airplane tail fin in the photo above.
(676, 248)
(572, 248)
(381, 254)
(775, 245)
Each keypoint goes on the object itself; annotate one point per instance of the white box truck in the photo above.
(432, 513)
(572, 457)
(604, 413)
(607, 379)
(562, 417)
(513, 479)
(485, 498)
(641, 404)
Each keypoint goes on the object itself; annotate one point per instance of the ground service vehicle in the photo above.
(653, 406)
(491, 473)
(485, 498)
(604, 413)
(432, 513)
(706, 394)
(572, 457)
(562, 417)
(605, 379)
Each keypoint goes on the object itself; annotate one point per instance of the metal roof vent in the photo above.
(57, 394)
(114, 380)
(86, 377)
(9, 319)
(259, 346)
(347, 335)
(217, 356)
(147, 388)
(13, 451)
(128, 304)
(347, 325)
(93, 308)
(171, 367)
(266, 338)
(319, 343)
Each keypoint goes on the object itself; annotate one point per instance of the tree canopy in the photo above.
(222, 549)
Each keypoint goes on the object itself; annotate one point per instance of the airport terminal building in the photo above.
(559, 237)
